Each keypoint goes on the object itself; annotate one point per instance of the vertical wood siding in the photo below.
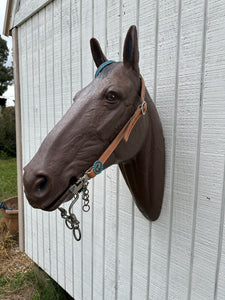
(122, 255)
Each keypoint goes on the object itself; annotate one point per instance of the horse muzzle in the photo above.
(42, 193)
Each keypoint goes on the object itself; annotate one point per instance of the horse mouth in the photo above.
(65, 196)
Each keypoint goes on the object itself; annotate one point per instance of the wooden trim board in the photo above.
(18, 136)
(8, 14)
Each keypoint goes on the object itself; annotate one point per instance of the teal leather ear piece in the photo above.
(102, 66)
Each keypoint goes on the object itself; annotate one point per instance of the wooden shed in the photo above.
(122, 255)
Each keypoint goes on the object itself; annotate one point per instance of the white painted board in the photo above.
(122, 255)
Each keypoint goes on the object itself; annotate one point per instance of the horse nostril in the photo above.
(41, 184)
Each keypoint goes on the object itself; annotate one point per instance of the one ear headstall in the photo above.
(102, 66)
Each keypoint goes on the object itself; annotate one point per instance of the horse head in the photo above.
(98, 113)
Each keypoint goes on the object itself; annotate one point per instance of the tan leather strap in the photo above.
(125, 131)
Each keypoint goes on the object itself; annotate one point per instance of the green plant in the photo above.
(17, 282)
(36, 297)
(7, 133)
(16, 285)
(3, 154)
(8, 178)
(47, 288)
(6, 73)
(3, 281)
(44, 288)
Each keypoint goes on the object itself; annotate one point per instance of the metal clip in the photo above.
(78, 186)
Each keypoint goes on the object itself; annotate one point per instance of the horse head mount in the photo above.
(112, 121)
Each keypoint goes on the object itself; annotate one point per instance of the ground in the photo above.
(20, 278)
(15, 269)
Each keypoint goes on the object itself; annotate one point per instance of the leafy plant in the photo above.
(7, 133)
(6, 73)
(8, 178)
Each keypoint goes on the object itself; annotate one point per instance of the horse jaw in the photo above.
(144, 174)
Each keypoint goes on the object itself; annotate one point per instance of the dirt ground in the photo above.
(20, 277)
(13, 265)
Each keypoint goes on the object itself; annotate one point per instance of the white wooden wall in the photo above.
(122, 255)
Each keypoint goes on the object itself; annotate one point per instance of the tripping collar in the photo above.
(98, 166)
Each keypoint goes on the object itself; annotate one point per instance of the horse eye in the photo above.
(111, 96)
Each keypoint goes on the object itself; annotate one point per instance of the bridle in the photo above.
(98, 166)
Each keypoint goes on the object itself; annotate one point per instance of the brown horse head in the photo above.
(99, 112)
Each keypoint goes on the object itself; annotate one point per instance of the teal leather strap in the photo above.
(102, 66)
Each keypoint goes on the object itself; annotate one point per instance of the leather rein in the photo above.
(98, 166)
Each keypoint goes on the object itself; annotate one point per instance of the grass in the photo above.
(38, 286)
(8, 178)
(47, 288)
(15, 285)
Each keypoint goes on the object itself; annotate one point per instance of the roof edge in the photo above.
(7, 19)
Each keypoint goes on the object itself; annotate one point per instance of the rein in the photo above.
(71, 220)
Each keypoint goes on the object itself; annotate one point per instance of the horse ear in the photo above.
(97, 53)
(130, 50)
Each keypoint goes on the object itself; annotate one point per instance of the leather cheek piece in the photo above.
(142, 110)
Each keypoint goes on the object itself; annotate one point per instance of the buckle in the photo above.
(143, 107)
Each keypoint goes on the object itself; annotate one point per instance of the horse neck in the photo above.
(144, 174)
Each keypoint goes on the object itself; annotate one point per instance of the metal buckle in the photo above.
(142, 107)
